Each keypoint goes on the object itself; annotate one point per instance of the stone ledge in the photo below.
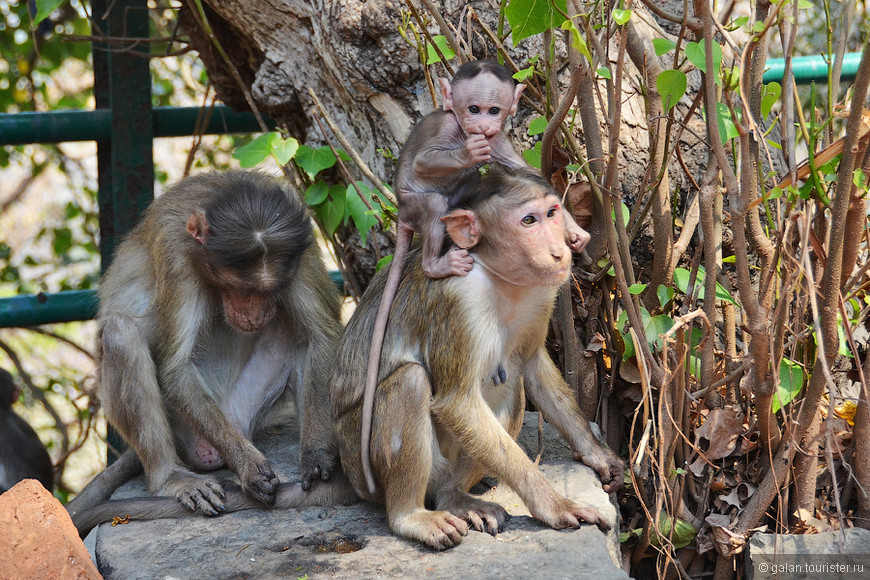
(325, 542)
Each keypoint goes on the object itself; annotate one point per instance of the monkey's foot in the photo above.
(483, 516)
(456, 262)
(317, 464)
(438, 529)
(198, 493)
(568, 514)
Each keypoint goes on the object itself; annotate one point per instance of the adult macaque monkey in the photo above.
(215, 306)
(442, 151)
(439, 421)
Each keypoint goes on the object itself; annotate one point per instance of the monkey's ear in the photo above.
(518, 92)
(463, 228)
(446, 94)
(197, 226)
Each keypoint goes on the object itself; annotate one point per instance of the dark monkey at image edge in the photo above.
(439, 421)
(216, 306)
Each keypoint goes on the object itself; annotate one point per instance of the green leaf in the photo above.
(758, 26)
(283, 150)
(316, 193)
(331, 213)
(663, 45)
(313, 161)
(256, 151)
(537, 126)
(577, 40)
(432, 55)
(533, 156)
(769, 96)
(626, 214)
(727, 128)
(63, 241)
(621, 17)
(681, 537)
(681, 281)
(653, 328)
(356, 209)
(732, 259)
(44, 8)
(791, 381)
(636, 288)
(697, 56)
(524, 74)
(671, 85)
(604, 72)
(383, 262)
(736, 23)
(665, 294)
(530, 17)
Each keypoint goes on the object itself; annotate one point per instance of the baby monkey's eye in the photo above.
(494, 111)
(474, 109)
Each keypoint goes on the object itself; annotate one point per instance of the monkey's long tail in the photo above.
(337, 491)
(101, 487)
(403, 243)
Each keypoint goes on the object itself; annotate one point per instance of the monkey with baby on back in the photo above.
(217, 305)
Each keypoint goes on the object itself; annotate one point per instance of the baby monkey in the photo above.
(442, 151)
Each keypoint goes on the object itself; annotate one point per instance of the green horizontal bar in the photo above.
(68, 306)
(96, 125)
(811, 68)
(34, 309)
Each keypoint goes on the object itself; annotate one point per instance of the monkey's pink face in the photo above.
(541, 255)
(247, 307)
(483, 104)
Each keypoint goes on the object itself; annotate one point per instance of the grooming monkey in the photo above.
(215, 307)
(442, 151)
(440, 423)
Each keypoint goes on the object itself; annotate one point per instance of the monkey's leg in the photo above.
(427, 210)
(133, 403)
(551, 396)
(403, 452)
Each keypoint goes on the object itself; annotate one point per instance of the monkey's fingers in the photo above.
(263, 485)
(204, 500)
(592, 516)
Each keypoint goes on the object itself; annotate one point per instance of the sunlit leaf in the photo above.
(256, 151)
(663, 45)
(621, 17)
(530, 17)
(357, 210)
(577, 40)
(283, 150)
(727, 128)
(671, 85)
(665, 294)
(604, 72)
(769, 96)
(44, 8)
(697, 56)
(331, 213)
(537, 126)
(681, 281)
(636, 288)
(432, 55)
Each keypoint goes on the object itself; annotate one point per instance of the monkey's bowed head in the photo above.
(216, 306)
(439, 422)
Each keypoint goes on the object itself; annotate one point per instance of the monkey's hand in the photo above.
(258, 480)
(577, 238)
(317, 464)
(477, 149)
(606, 464)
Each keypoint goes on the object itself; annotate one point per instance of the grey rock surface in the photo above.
(355, 541)
(825, 555)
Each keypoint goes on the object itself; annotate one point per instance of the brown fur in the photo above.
(216, 306)
(439, 422)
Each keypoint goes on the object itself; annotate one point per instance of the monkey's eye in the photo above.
(529, 220)
(474, 109)
(494, 111)
(551, 213)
